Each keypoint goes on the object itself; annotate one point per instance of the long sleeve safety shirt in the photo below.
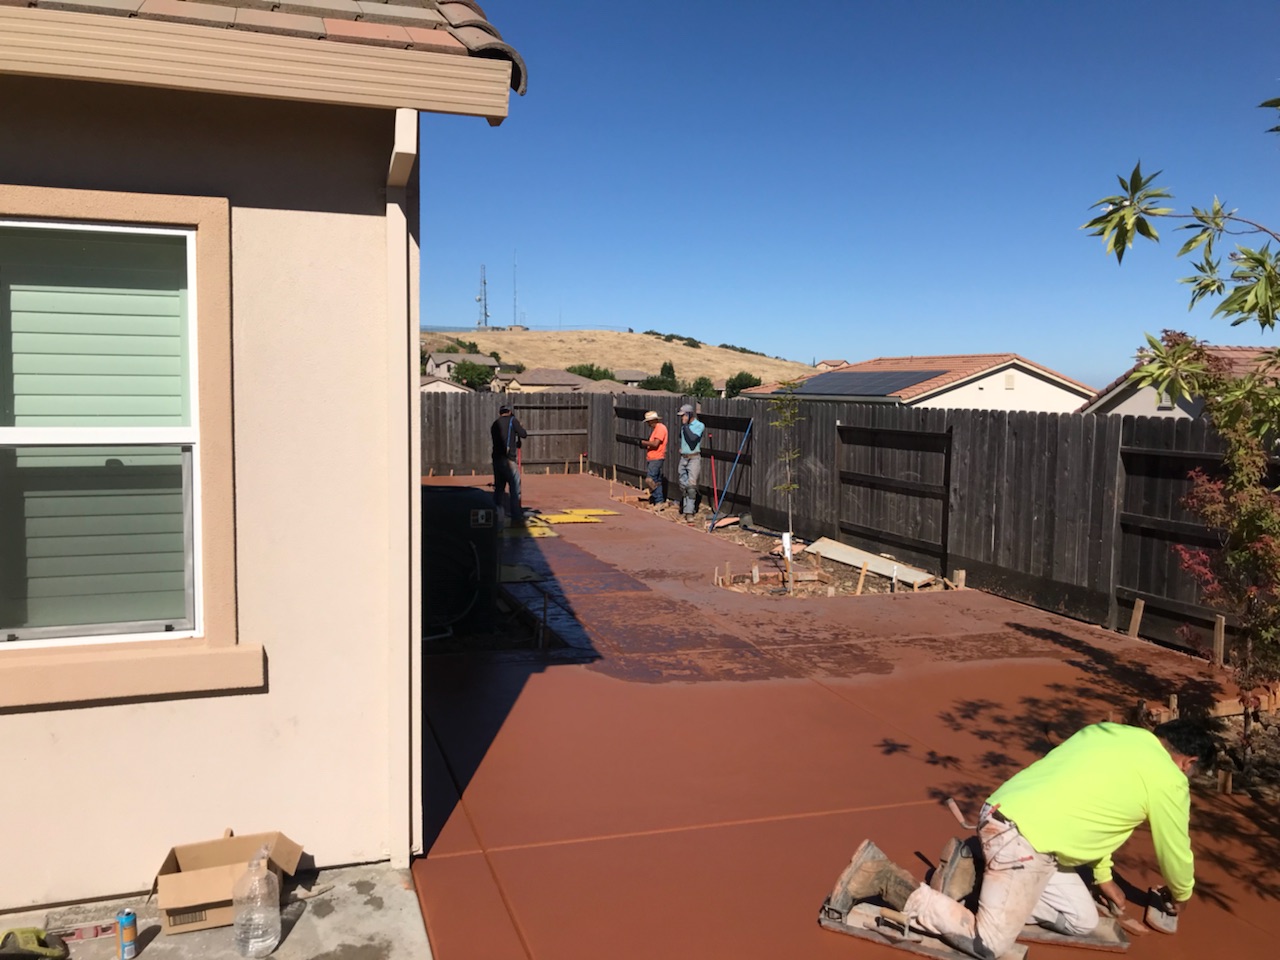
(1084, 799)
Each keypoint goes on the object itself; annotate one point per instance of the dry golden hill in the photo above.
(620, 351)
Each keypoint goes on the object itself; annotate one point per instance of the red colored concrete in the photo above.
(696, 789)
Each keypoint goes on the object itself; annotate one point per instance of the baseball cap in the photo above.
(687, 408)
(504, 409)
(651, 415)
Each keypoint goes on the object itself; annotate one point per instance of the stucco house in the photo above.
(441, 385)
(209, 440)
(541, 379)
(1122, 397)
(988, 381)
(443, 364)
(822, 366)
(632, 378)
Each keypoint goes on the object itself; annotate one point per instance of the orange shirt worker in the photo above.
(655, 455)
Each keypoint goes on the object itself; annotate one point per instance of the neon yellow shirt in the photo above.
(1084, 799)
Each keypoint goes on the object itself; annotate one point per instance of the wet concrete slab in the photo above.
(694, 786)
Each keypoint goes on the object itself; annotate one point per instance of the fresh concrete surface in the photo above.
(368, 913)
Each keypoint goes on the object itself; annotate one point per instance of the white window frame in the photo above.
(131, 436)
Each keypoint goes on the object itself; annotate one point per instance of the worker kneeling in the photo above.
(1076, 806)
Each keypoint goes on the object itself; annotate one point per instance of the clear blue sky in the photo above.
(852, 179)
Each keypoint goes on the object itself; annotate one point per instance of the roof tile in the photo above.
(27, 3)
(381, 34)
(376, 11)
(441, 41)
(121, 8)
(321, 8)
(463, 15)
(487, 43)
(186, 11)
(291, 24)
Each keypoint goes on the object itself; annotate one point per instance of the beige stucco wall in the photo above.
(1030, 392)
(1144, 402)
(123, 782)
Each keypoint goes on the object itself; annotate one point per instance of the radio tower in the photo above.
(483, 299)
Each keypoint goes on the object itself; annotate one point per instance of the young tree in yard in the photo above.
(784, 408)
(740, 381)
(473, 375)
(1241, 577)
(702, 387)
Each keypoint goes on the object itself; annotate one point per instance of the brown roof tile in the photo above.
(1239, 360)
(441, 41)
(372, 11)
(186, 11)
(120, 8)
(382, 34)
(430, 26)
(264, 21)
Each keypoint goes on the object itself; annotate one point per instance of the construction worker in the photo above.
(506, 434)
(691, 431)
(655, 455)
(1074, 807)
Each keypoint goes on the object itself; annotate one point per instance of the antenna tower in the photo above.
(483, 299)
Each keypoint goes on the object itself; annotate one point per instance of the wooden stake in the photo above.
(755, 573)
(959, 579)
(431, 472)
(728, 574)
(1173, 706)
(1135, 621)
(1224, 781)
(451, 471)
(915, 586)
(715, 577)
(861, 578)
(615, 473)
(1219, 639)
(831, 591)
(579, 463)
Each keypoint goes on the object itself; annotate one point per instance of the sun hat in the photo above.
(651, 415)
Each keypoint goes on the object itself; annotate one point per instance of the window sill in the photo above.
(45, 679)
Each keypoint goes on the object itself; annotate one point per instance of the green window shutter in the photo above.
(94, 328)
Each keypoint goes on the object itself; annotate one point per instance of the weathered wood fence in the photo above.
(1075, 514)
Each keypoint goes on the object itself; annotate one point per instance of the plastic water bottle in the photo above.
(256, 901)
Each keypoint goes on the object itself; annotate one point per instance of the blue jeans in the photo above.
(505, 475)
(653, 470)
(690, 467)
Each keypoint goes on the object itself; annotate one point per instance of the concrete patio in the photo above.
(693, 785)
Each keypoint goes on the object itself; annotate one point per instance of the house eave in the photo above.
(127, 50)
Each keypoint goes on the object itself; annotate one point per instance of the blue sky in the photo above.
(851, 179)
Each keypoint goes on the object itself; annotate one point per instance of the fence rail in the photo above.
(1078, 514)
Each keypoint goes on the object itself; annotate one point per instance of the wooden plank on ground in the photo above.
(852, 556)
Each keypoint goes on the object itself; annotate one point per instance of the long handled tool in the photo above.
(715, 494)
(746, 435)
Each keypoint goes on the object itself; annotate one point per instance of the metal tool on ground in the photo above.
(1162, 913)
(86, 931)
(32, 943)
(742, 445)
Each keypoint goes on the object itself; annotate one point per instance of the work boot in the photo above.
(957, 872)
(871, 874)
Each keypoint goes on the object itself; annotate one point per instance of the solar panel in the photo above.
(870, 383)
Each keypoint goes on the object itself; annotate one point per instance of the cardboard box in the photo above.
(194, 883)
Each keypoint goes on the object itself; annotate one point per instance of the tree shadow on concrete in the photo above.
(1236, 838)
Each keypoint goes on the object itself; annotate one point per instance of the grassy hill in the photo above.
(620, 351)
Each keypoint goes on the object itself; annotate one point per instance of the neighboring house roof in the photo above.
(550, 377)
(614, 387)
(457, 27)
(1238, 359)
(625, 375)
(483, 359)
(916, 377)
(831, 363)
(427, 381)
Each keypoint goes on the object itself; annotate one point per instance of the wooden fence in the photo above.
(1075, 514)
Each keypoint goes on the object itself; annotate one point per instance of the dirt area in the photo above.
(621, 351)
(814, 576)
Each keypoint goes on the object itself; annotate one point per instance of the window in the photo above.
(1008, 380)
(117, 506)
(99, 438)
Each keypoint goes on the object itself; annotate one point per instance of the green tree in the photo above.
(591, 371)
(784, 408)
(740, 381)
(1241, 576)
(702, 387)
(473, 375)
(668, 370)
